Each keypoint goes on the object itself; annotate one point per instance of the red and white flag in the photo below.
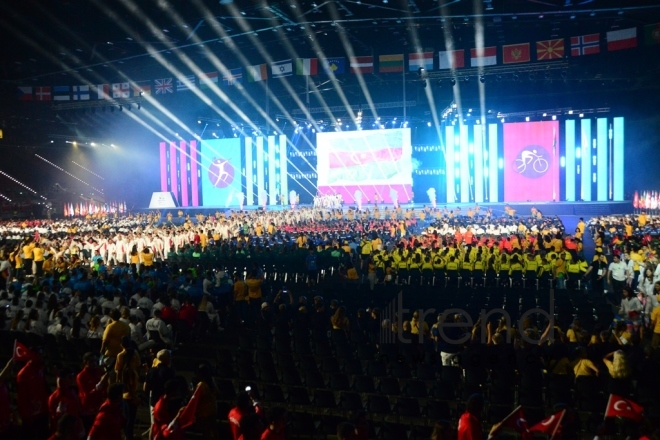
(22, 353)
(42, 93)
(622, 39)
(617, 406)
(487, 58)
(517, 422)
(362, 64)
(121, 90)
(103, 91)
(549, 426)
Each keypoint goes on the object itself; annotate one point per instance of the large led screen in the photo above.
(531, 161)
(221, 172)
(366, 164)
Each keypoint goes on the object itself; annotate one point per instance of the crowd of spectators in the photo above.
(125, 297)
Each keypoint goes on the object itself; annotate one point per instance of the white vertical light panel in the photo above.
(478, 163)
(493, 171)
(260, 167)
(272, 165)
(585, 138)
(570, 160)
(283, 175)
(449, 158)
(249, 184)
(618, 159)
(465, 165)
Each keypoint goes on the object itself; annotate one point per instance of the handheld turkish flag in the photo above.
(516, 421)
(22, 353)
(617, 406)
(187, 416)
(549, 426)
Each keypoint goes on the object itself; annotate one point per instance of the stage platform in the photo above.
(580, 209)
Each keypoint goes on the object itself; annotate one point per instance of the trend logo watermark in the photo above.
(395, 313)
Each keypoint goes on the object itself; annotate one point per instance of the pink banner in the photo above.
(183, 162)
(531, 161)
(163, 166)
(174, 184)
(193, 173)
(404, 193)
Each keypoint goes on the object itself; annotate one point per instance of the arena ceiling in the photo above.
(108, 38)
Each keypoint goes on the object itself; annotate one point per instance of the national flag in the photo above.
(335, 65)
(42, 93)
(102, 91)
(185, 83)
(282, 68)
(307, 66)
(24, 93)
(647, 200)
(205, 79)
(517, 422)
(488, 58)
(549, 426)
(390, 63)
(187, 417)
(550, 49)
(361, 64)
(142, 90)
(619, 407)
(622, 39)
(636, 200)
(423, 60)
(652, 34)
(451, 59)
(515, 53)
(585, 45)
(81, 93)
(121, 90)
(61, 93)
(233, 77)
(66, 210)
(256, 73)
(163, 86)
(22, 353)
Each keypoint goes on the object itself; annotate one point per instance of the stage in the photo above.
(580, 209)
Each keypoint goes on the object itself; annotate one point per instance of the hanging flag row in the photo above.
(546, 50)
(92, 208)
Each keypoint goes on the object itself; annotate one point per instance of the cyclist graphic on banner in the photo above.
(532, 161)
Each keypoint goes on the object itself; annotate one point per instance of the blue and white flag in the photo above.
(281, 68)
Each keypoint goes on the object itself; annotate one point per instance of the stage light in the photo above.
(554, 117)
(428, 124)
(482, 79)
(526, 118)
(545, 114)
(578, 152)
(502, 120)
(570, 112)
(452, 81)
(93, 144)
(500, 163)
(471, 148)
(199, 121)
(562, 162)
(582, 115)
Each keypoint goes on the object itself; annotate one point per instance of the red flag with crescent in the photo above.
(550, 425)
(617, 406)
(22, 353)
(517, 422)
